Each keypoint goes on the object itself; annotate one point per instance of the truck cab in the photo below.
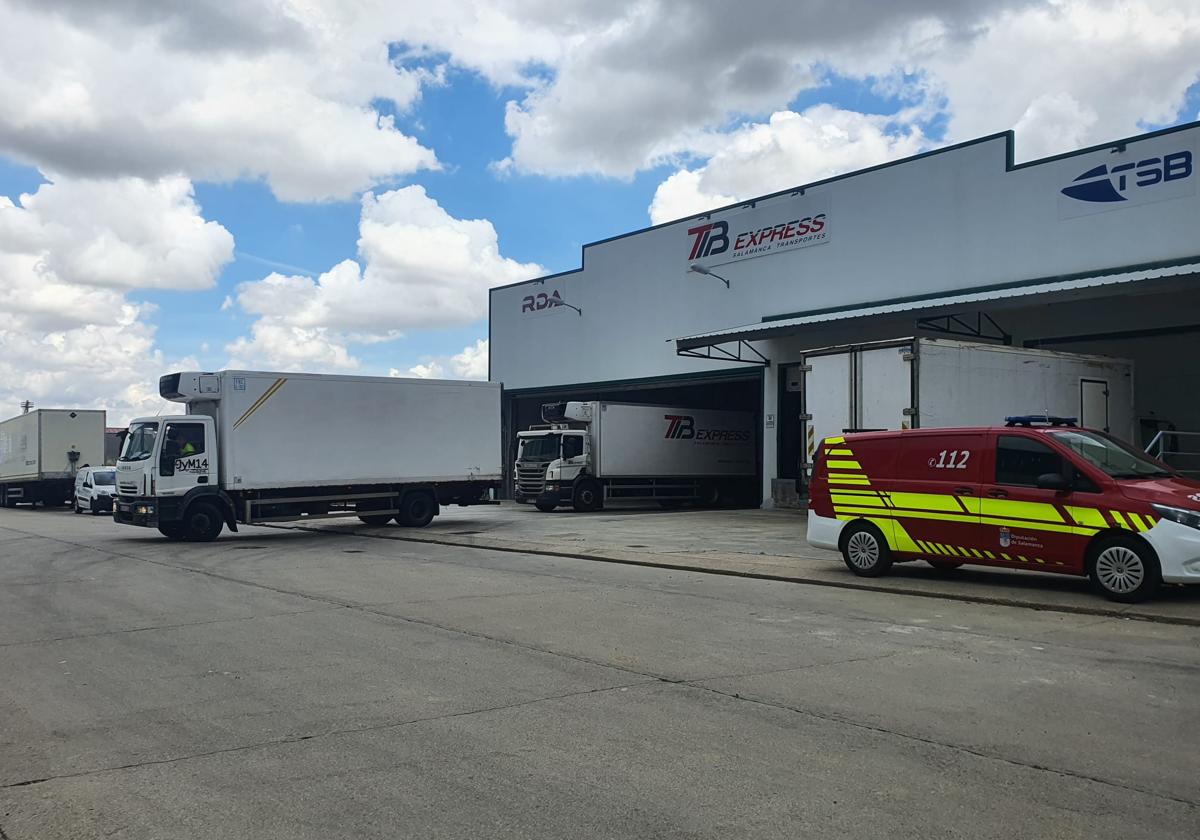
(164, 465)
(549, 462)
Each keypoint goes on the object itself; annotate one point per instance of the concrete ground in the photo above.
(289, 684)
(760, 543)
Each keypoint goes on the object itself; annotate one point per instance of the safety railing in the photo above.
(1180, 450)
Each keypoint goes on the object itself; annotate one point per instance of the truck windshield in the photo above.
(139, 444)
(104, 479)
(543, 448)
(1112, 456)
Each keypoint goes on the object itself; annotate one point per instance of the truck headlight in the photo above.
(1191, 518)
(144, 509)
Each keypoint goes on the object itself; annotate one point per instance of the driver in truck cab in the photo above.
(1037, 494)
(176, 445)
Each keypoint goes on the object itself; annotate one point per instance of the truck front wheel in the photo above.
(417, 510)
(588, 496)
(202, 523)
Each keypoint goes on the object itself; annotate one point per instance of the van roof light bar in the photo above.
(1040, 419)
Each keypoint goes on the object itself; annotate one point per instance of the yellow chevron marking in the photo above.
(832, 440)
(861, 500)
(977, 552)
(844, 465)
(840, 453)
(1119, 519)
(925, 501)
(1010, 509)
(1022, 558)
(849, 479)
(1137, 521)
(1089, 517)
(1005, 556)
(989, 554)
(270, 392)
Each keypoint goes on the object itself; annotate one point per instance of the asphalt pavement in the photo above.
(292, 684)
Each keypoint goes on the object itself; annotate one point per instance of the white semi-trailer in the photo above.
(269, 447)
(590, 452)
(41, 451)
(927, 383)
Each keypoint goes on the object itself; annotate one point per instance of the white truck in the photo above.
(913, 383)
(590, 452)
(259, 447)
(41, 451)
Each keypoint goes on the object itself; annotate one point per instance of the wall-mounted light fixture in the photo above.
(696, 268)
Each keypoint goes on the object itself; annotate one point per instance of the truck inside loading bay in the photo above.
(259, 447)
(588, 453)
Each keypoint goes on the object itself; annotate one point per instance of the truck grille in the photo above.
(531, 480)
(127, 488)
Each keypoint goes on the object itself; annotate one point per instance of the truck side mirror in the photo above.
(166, 464)
(1053, 481)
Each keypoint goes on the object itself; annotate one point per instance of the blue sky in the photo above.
(549, 129)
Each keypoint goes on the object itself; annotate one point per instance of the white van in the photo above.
(95, 488)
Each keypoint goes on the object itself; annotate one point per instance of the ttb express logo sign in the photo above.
(683, 427)
(781, 226)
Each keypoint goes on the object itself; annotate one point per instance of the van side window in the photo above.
(1020, 460)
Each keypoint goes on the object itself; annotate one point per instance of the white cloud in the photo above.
(69, 334)
(471, 363)
(788, 150)
(420, 268)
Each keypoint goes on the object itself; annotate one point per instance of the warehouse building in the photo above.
(1093, 251)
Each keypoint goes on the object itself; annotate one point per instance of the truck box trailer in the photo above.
(937, 383)
(268, 447)
(589, 452)
(41, 451)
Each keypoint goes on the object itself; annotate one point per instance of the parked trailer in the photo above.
(590, 452)
(258, 447)
(41, 451)
(936, 383)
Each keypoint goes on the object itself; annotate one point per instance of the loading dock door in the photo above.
(1093, 404)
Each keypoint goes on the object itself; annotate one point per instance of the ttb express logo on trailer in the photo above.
(683, 427)
(783, 226)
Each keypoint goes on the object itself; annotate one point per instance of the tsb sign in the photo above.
(1104, 184)
(1130, 183)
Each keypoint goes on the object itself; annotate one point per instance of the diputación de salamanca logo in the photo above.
(1109, 184)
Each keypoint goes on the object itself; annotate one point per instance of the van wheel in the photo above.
(202, 523)
(544, 507)
(945, 566)
(865, 551)
(375, 521)
(588, 496)
(1124, 569)
(417, 510)
(75, 504)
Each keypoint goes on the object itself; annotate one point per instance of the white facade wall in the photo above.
(957, 219)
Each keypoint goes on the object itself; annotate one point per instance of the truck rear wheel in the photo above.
(417, 510)
(588, 496)
(202, 523)
(375, 521)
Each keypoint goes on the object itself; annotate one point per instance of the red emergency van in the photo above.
(1045, 496)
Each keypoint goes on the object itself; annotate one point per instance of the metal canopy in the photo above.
(742, 351)
(1049, 289)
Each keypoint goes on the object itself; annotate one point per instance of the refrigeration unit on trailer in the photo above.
(40, 453)
(589, 452)
(938, 383)
(259, 447)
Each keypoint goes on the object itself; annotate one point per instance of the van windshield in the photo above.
(1112, 456)
(139, 443)
(104, 479)
(544, 448)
